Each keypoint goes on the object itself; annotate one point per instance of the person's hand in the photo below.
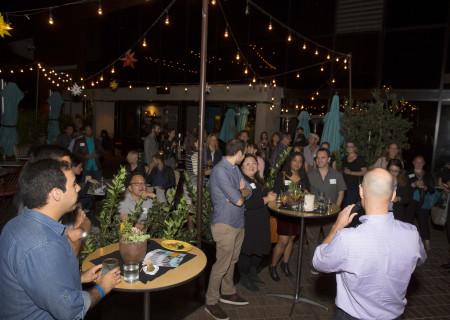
(271, 196)
(109, 280)
(146, 195)
(93, 181)
(242, 184)
(80, 217)
(420, 184)
(345, 217)
(347, 171)
(91, 274)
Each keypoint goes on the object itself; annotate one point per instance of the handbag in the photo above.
(439, 212)
(273, 230)
(430, 199)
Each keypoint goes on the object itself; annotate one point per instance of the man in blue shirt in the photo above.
(90, 150)
(38, 269)
(228, 192)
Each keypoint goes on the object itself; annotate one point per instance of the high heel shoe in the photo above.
(273, 273)
(285, 268)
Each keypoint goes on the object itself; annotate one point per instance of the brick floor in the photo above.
(428, 293)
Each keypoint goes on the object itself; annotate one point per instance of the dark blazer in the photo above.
(399, 207)
(80, 150)
(168, 177)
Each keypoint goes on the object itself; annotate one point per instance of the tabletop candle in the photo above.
(309, 202)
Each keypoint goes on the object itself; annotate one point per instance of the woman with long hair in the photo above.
(354, 167)
(169, 148)
(401, 187)
(392, 151)
(252, 149)
(273, 143)
(288, 229)
(422, 184)
(256, 242)
(212, 152)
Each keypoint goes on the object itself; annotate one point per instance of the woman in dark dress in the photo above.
(401, 188)
(169, 148)
(422, 183)
(287, 228)
(354, 168)
(257, 228)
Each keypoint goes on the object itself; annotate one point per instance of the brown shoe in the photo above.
(216, 312)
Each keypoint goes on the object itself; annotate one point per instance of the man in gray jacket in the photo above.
(151, 144)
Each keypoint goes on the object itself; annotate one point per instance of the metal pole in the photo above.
(37, 104)
(350, 76)
(201, 119)
(441, 88)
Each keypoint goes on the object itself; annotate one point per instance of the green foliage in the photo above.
(176, 222)
(26, 123)
(128, 232)
(382, 119)
(109, 225)
(207, 207)
(273, 172)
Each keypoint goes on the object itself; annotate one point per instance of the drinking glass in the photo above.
(109, 264)
(131, 272)
(295, 195)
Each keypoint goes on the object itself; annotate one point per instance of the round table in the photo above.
(333, 210)
(173, 278)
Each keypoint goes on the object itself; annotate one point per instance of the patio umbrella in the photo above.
(8, 133)
(303, 122)
(332, 127)
(228, 130)
(242, 119)
(55, 101)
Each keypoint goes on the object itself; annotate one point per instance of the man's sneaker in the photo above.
(216, 312)
(233, 299)
(314, 271)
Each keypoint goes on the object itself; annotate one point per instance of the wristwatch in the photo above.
(84, 234)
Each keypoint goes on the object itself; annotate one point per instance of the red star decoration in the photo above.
(129, 59)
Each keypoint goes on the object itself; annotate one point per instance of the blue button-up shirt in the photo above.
(224, 184)
(39, 272)
(373, 265)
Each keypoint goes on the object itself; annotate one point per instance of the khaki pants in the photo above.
(313, 231)
(228, 247)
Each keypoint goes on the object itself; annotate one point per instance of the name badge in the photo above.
(82, 144)
(332, 181)
(253, 185)
(412, 175)
(287, 182)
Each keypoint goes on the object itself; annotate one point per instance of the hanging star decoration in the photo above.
(4, 27)
(113, 85)
(76, 90)
(129, 59)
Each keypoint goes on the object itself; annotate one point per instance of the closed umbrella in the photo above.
(242, 119)
(331, 130)
(228, 130)
(8, 133)
(303, 122)
(55, 101)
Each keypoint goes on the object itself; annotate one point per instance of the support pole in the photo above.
(350, 76)
(201, 119)
(37, 104)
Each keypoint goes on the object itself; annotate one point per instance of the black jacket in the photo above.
(168, 177)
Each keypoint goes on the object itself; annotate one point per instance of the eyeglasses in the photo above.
(138, 183)
(394, 171)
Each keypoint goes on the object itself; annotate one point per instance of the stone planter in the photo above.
(132, 252)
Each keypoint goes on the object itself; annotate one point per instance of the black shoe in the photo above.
(216, 312)
(233, 299)
(247, 283)
(314, 271)
(273, 273)
(253, 276)
(285, 269)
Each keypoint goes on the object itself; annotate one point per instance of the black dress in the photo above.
(287, 226)
(257, 225)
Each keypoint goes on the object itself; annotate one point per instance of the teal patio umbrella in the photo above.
(242, 119)
(8, 133)
(331, 130)
(228, 130)
(55, 101)
(303, 122)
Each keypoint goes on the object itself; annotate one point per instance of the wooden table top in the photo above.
(335, 209)
(173, 278)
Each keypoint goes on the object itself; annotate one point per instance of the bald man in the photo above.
(373, 262)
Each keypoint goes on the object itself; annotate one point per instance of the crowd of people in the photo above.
(384, 197)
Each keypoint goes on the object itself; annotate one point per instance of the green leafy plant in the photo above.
(273, 172)
(128, 232)
(176, 222)
(381, 120)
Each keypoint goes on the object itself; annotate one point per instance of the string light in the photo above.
(247, 10)
(144, 43)
(167, 18)
(254, 79)
(289, 37)
(316, 52)
(265, 84)
(92, 83)
(112, 69)
(328, 56)
(101, 77)
(250, 84)
(333, 81)
(246, 70)
(317, 93)
(337, 59)
(298, 75)
(7, 23)
(50, 19)
(321, 68)
(130, 86)
(345, 60)
(304, 46)
(82, 87)
(228, 87)
(270, 24)
(237, 55)
(185, 89)
(226, 32)
(213, 2)
(100, 11)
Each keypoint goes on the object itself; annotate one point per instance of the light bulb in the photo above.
(186, 89)
(50, 18)
(298, 75)
(21, 70)
(112, 70)
(265, 84)
(82, 87)
(148, 88)
(167, 19)
(213, 2)
(92, 83)
(246, 70)
(304, 46)
(101, 77)
(228, 87)
(273, 98)
(130, 86)
(317, 93)
(144, 43)
(333, 81)
(254, 79)
(226, 32)
(247, 10)
(316, 52)
(250, 84)
(99, 8)
(345, 60)
(345, 67)
(237, 55)
(321, 68)
(312, 98)
(289, 37)
(31, 68)
(81, 79)
(270, 24)
(337, 59)
(328, 57)
(68, 88)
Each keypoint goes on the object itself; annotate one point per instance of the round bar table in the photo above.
(333, 210)
(173, 278)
